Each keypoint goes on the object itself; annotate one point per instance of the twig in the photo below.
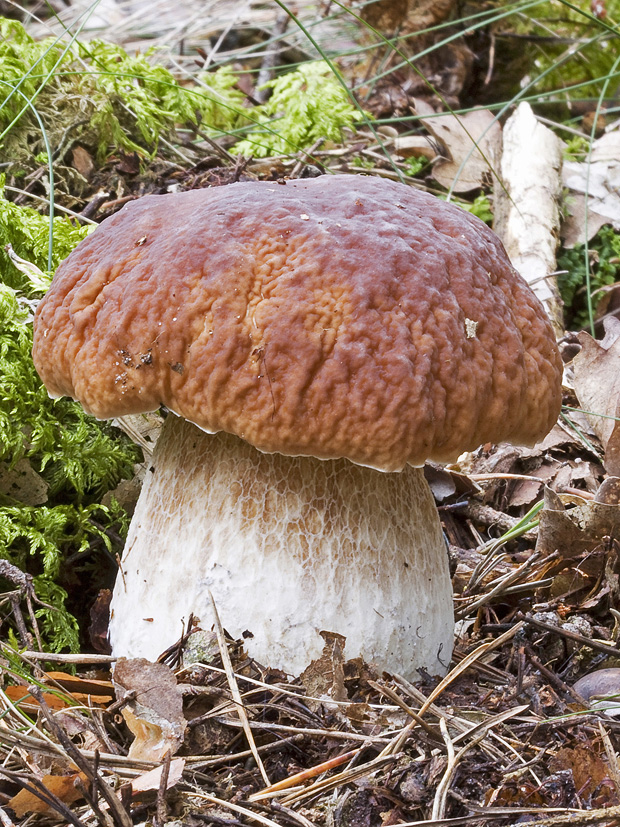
(6, 821)
(397, 743)
(294, 816)
(305, 156)
(200, 761)
(385, 690)
(288, 689)
(461, 667)
(325, 733)
(38, 789)
(576, 818)
(59, 658)
(612, 758)
(220, 802)
(234, 689)
(487, 516)
(558, 630)
(230, 159)
(553, 679)
(25, 638)
(120, 814)
(91, 797)
(458, 723)
(342, 778)
(267, 70)
(58, 207)
(161, 810)
(485, 726)
(441, 793)
(506, 581)
(305, 775)
(93, 205)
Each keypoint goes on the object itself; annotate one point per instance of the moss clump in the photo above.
(77, 458)
(96, 94)
(305, 105)
(604, 267)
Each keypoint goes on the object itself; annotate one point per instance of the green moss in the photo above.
(604, 261)
(79, 458)
(27, 231)
(106, 98)
(305, 105)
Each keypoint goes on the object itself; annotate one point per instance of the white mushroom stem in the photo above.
(289, 546)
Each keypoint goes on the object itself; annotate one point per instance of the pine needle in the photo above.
(234, 689)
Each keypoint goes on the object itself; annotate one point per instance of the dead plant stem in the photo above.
(236, 694)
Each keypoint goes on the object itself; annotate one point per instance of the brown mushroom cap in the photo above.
(341, 316)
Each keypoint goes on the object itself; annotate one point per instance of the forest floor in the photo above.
(515, 732)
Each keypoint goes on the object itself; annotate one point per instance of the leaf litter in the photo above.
(511, 735)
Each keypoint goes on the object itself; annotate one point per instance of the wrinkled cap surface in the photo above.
(340, 316)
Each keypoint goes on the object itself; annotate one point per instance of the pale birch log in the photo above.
(527, 215)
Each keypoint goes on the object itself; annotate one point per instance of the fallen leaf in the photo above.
(446, 482)
(82, 161)
(575, 530)
(589, 771)
(128, 164)
(523, 492)
(471, 142)
(62, 786)
(151, 780)
(324, 677)
(23, 483)
(155, 714)
(596, 382)
(24, 700)
(599, 179)
(579, 221)
(415, 146)
(99, 622)
(85, 686)
(393, 15)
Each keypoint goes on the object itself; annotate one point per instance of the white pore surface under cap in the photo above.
(289, 546)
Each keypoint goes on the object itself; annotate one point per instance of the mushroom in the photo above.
(315, 343)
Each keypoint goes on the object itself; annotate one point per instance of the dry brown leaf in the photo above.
(82, 686)
(151, 780)
(524, 492)
(62, 786)
(324, 678)
(413, 15)
(82, 162)
(599, 177)
(155, 715)
(446, 482)
(99, 622)
(578, 221)
(568, 582)
(23, 483)
(589, 771)
(472, 142)
(576, 530)
(24, 700)
(597, 386)
(415, 146)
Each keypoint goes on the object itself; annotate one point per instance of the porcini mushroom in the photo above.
(316, 342)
